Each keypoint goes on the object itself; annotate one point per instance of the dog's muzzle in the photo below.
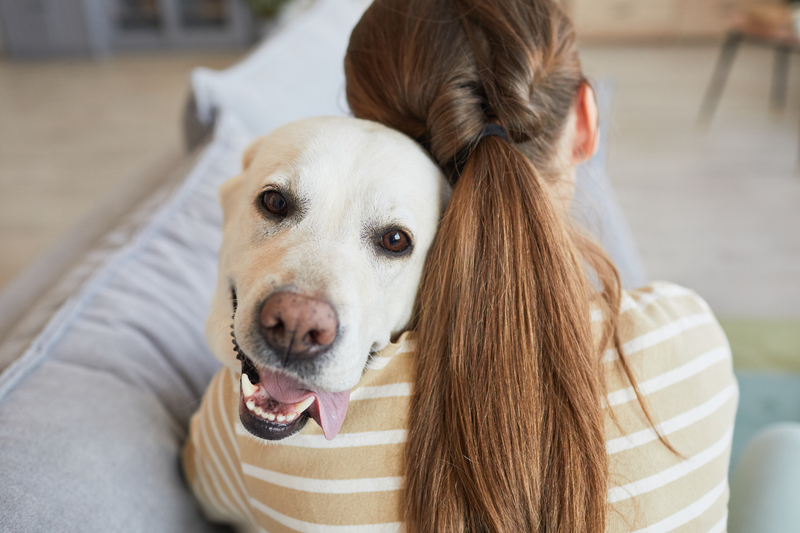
(274, 405)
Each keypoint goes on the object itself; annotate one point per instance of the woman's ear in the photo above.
(586, 134)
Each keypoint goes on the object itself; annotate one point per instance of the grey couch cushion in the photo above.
(93, 415)
(29, 302)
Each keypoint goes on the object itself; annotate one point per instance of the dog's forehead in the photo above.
(350, 163)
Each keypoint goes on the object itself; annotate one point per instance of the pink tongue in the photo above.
(329, 409)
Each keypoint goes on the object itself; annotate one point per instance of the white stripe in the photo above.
(672, 473)
(382, 391)
(323, 486)
(231, 468)
(212, 504)
(378, 363)
(209, 468)
(236, 380)
(671, 330)
(672, 377)
(343, 440)
(211, 476)
(672, 425)
(720, 526)
(597, 315)
(409, 345)
(627, 303)
(227, 421)
(664, 333)
(205, 494)
(223, 412)
(648, 298)
(309, 527)
(688, 513)
(222, 473)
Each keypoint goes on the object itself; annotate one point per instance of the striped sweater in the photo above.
(352, 484)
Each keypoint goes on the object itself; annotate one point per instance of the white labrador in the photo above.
(324, 239)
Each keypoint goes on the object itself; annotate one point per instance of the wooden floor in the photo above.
(71, 131)
(716, 210)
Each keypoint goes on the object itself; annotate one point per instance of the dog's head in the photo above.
(325, 234)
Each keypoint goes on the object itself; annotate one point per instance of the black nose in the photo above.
(297, 327)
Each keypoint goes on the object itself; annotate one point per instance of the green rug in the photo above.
(764, 345)
(766, 357)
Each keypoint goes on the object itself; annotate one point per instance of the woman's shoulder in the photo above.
(680, 357)
(672, 342)
(665, 311)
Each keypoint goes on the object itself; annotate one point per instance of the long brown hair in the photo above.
(506, 425)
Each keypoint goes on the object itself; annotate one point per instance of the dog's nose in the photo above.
(298, 327)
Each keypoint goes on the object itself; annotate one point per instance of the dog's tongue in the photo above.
(328, 410)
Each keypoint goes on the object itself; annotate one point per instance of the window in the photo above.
(138, 15)
(202, 13)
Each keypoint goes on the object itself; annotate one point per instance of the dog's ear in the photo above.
(230, 191)
(229, 195)
(250, 153)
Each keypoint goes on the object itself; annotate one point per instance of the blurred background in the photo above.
(703, 151)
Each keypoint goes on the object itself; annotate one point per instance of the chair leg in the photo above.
(797, 168)
(780, 75)
(723, 68)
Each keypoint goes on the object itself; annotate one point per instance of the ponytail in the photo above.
(506, 431)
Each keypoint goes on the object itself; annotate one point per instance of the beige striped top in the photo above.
(351, 484)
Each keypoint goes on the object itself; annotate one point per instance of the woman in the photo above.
(523, 416)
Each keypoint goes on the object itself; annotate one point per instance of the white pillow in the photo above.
(295, 74)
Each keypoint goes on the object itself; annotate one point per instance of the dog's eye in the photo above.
(396, 241)
(275, 203)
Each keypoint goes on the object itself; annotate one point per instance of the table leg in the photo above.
(780, 76)
(723, 68)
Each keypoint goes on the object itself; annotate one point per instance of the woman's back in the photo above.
(674, 345)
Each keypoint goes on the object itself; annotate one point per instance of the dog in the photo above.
(325, 234)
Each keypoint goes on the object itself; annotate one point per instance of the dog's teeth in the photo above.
(259, 411)
(305, 404)
(248, 389)
(270, 417)
(289, 418)
(281, 418)
(251, 404)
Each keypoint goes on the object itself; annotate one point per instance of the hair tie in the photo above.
(489, 130)
(457, 163)
(493, 130)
